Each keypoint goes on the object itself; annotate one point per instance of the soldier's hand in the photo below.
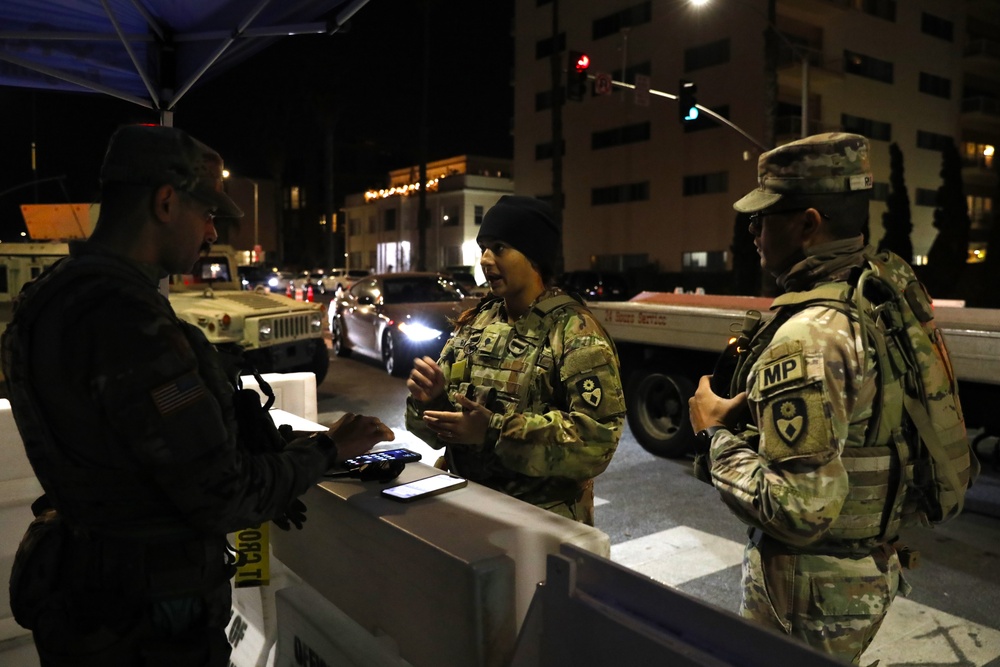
(706, 408)
(426, 381)
(467, 427)
(356, 434)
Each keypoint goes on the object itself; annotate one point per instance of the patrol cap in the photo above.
(830, 163)
(156, 155)
(525, 223)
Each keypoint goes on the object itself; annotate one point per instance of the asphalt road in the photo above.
(646, 500)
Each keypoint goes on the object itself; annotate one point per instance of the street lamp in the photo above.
(795, 49)
(256, 225)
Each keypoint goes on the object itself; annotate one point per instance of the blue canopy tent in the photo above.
(150, 52)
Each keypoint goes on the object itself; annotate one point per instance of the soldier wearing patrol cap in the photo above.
(527, 396)
(134, 429)
(804, 397)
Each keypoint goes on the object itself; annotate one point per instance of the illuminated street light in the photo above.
(256, 226)
(796, 53)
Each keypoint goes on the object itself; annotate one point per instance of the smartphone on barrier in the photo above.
(423, 488)
(401, 455)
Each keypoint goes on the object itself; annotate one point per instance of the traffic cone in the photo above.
(309, 294)
(290, 293)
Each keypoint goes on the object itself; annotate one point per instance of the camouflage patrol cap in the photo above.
(831, 163)
(156, 155)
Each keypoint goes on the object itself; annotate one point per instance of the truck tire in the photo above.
(657, 407)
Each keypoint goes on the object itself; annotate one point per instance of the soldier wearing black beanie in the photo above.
(524, 223)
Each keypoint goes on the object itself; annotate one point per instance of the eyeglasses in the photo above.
(209, 213)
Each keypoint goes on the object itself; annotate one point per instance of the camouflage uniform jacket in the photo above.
(139, 438)
(809, 398)
(558, 409)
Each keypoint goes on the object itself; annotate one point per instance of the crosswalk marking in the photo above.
(912, 633)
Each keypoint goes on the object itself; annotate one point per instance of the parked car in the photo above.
(466, 280)
(306, 279)
(597, 285)
(335, 280)
(252, 276)
(278, 281)
(395, 317)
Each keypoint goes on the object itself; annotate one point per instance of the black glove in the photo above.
(295, 513)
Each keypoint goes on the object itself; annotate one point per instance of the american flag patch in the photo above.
(180, 393)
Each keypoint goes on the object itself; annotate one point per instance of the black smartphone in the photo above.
(423, 488)
(401, 455)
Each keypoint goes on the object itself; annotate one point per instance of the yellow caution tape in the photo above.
(253, 545)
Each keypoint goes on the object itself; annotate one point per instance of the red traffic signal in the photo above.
(577, 65)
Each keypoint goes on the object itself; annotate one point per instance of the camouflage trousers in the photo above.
(834, 604)
(581, 510)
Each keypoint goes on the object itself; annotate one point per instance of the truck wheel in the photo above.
(339, 344)
(392, 357)
(658, 413)
(321, 362)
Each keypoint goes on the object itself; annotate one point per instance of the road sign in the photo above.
(602, 83)
(641, 90)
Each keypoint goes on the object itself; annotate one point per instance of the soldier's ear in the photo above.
(165, 199)
(812, 221)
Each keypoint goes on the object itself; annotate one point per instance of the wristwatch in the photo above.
(705, 435)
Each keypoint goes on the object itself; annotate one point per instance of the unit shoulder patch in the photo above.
(590, 390)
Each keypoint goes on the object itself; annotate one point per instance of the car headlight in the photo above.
(418, 332)
(264, 330)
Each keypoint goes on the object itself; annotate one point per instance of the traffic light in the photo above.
(577, 65)
(687, 108)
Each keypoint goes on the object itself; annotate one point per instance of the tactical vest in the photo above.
(887, 473)
(490, 354)
(165, 561)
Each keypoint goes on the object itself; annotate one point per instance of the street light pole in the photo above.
(797, 53)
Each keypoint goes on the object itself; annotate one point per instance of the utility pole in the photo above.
(555, 60)
(422, 217)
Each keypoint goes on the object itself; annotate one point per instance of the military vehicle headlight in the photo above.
(264, 330)
(316, 321)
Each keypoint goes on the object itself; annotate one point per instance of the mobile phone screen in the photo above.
(421, 488)
(404, 455)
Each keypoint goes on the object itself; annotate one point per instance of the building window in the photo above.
(867, 66)
(935, 26)
(620, 194)
(883, 9)
(880, 191)
(353, 226)
(626, 18)
(450, 216)
(873, 129)
(295, 198)
(478, 215)
(978, 155)
(372, 225)
(704, 184)
(935, 85)
(705, 260)
(933, 141)
(546, 47)
(618, 136)
(980, 210)
(706, 122)
(545, 152)
(389, 221)
(925, 197)
(698, 57)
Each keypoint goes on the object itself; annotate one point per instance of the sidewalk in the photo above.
(984, 495)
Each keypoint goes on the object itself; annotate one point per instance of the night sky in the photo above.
(268, 115)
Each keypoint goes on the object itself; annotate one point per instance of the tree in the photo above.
(950, 250)
(896, 220)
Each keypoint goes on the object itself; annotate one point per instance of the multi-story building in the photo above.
(642, 188)
(382, 231)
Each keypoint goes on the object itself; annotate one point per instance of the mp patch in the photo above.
(790, 419)
(590, 390)
(780, 372)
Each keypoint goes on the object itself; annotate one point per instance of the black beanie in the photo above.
(526, 224)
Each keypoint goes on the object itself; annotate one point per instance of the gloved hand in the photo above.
(295, 513)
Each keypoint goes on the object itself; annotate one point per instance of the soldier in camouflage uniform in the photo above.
(803, 401)
(127, 415)
(527, 395)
